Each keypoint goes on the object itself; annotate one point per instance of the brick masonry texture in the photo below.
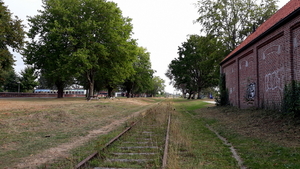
(258, 69)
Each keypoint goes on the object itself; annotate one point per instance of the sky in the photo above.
(160, 26)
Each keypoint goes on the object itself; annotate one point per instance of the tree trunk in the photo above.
(127, 93)
(131, 94)
(190, 95)
(91, 90)
(199, 92)
(193, 97)
(128, 90)
(60, 89)
(90, 78)
(109, 91)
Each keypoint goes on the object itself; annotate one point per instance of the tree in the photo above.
(43, 82)
(118, 68)
(178, 76)
(79, 37)
(222, 99)
(157, 86)
(196, 67)
(11, 35)
(28, 79)
(140, 81)
(11, 81)
(232, 21)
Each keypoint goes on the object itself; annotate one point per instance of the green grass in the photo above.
(257, 149)
(193, 144)
(259, 153)
(189, 105)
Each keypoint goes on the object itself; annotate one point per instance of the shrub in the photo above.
(291, 99)
(223, 98)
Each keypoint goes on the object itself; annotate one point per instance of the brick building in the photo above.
(258, 69)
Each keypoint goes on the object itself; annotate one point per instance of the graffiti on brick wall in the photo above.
(296, 45)
(274, 80)
(251, 91)
(275, 49)
(296, 52)
(246, 63)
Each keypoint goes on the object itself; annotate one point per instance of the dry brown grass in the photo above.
(180, 142)
(34, 125)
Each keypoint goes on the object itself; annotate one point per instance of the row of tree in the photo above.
(225, 25)
(10, 81)
(87, 42)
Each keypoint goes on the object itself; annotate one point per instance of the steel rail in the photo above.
(165, 153)
(165, 157)
(95, 154)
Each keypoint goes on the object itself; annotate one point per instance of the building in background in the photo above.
(258, 69)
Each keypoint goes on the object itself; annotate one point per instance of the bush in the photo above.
(223, 98)
(291, 99)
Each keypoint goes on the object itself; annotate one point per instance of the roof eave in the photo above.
(264, 34)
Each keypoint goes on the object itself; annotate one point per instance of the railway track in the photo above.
(142, 145)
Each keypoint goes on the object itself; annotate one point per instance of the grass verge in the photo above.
(192, 145)
(264, 139)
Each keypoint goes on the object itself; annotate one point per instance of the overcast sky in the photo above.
(159, 25)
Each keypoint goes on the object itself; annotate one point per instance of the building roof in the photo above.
(282, 13)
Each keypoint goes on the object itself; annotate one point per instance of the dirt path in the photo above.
(62, 151)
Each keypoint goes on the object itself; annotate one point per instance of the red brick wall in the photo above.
(271, 70)
(231, 72)
(269, 64)
(247, 76)
(295, 37)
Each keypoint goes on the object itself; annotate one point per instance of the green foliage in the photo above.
(71, 38)
(157, 86)
(12, 82)
(140, 81)
(291, 99)
(9, 81)
(232, 21)
(43, 83)
(28, 79)
(197, 66)
(11, 34)
(223, 98)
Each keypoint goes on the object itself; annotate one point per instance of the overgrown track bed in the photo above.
(143, 146)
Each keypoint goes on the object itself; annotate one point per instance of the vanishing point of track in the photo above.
(144, 144)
